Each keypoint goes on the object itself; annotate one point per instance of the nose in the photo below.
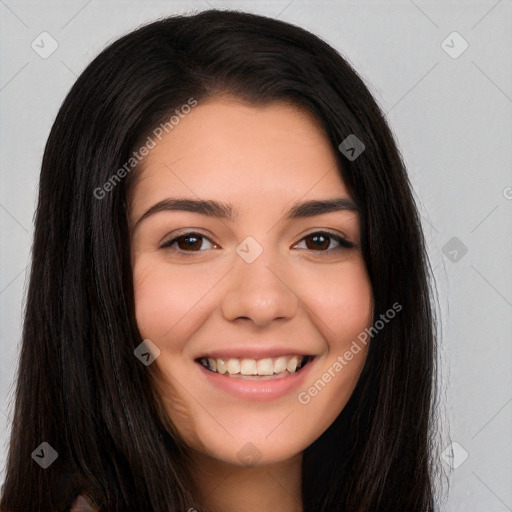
(260, 292)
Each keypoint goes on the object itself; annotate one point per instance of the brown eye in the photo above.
(191, 242)
(320, 242)
(188, 242)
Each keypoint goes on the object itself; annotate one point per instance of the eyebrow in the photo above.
(222, 210)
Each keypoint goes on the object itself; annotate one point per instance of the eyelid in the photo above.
(326, 231)
(171, 237)
(343, 241)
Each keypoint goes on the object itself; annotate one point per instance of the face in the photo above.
(255, 302)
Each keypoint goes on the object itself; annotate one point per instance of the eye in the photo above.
(320, 241)
(188, 243)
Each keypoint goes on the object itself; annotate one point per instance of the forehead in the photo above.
(249, 156)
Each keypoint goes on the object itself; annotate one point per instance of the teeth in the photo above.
(248, 367)
(292, 364)
(280, 365)
(233, 366)
(221, 366)
(266, 366)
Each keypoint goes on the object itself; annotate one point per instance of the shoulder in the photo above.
(83, 503)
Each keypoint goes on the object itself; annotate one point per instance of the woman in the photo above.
(229, 304)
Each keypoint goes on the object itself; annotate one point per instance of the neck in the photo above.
(224, 487)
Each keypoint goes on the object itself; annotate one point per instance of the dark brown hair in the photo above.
(79, 386)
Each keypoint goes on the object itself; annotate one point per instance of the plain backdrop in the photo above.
(442, 72)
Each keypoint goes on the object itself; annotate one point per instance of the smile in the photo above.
(268, 367)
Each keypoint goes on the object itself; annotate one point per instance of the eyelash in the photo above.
(343, 242)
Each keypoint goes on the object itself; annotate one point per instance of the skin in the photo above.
(260, 160)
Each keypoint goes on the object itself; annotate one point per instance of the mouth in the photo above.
(256, 369)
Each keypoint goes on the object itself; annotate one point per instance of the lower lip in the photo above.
(267, 389)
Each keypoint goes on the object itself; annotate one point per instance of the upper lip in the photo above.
(259, 352)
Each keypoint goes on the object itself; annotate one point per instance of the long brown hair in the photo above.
(80, 388)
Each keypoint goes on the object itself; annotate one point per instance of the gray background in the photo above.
(452, 118)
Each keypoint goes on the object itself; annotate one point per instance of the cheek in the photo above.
(167, 305)
(343, 309)
(342, 302)
(164, 297)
